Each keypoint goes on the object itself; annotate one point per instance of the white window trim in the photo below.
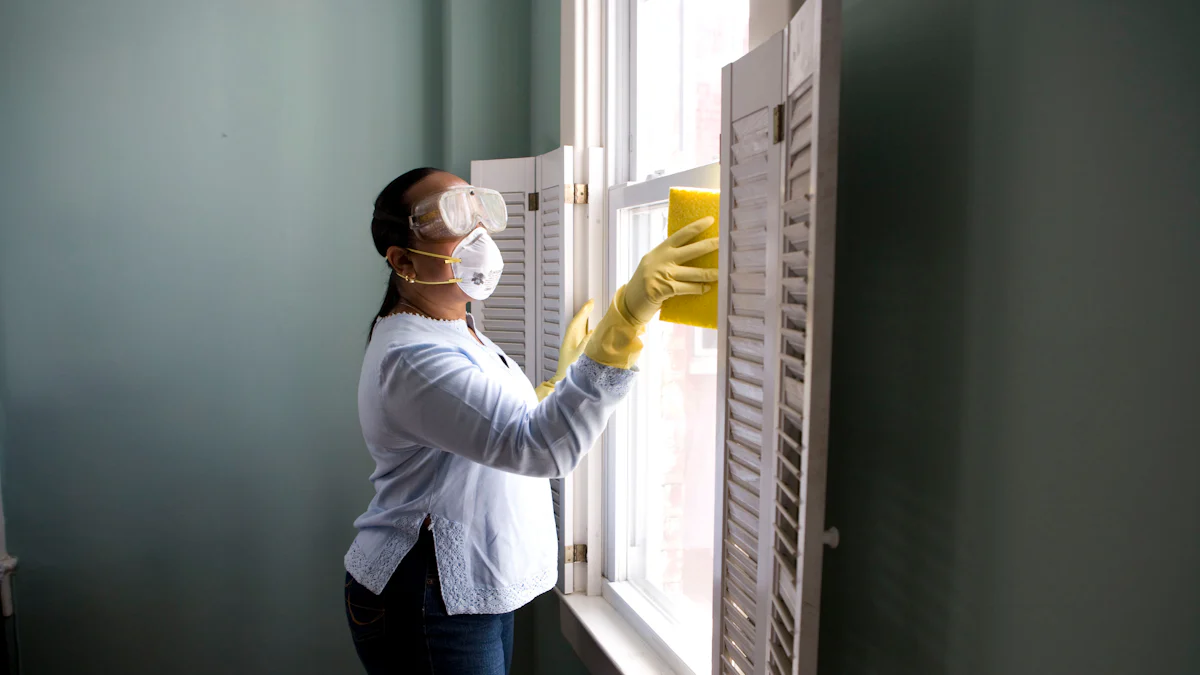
(620, 88)
(581, 114)
(596, 91)
(633, 603)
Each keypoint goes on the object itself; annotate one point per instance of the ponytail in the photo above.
(389, 227)
(390, 298)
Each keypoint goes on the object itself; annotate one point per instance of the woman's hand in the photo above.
(574, 339)
(662, 273)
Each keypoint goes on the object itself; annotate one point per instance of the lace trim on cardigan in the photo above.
(450, 540)
(614, 380)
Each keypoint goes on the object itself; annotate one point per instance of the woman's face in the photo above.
(423, 267)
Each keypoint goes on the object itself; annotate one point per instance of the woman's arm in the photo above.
(436, 396)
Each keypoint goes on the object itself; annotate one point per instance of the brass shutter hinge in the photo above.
(576, 553)
(778, 123)
(533, 201)
(577, 193)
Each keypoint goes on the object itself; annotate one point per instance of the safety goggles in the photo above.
(458, 211)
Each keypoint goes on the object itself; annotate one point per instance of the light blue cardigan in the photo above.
(457, 434)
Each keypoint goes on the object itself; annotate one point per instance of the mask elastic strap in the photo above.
(446, 258)
(414, 280)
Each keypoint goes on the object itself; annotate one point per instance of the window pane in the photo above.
(668, 440)
(681, 47)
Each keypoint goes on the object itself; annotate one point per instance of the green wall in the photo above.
(545, 83)
(186, 278)
(1014, 453)
(487, 72)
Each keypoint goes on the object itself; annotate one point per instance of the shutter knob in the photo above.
(831, 537)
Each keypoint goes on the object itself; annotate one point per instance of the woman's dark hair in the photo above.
(389, 227)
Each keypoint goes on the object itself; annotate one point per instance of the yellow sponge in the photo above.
(686, 206)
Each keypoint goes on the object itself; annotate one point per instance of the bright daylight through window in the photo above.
(680, 50)
(668, 445)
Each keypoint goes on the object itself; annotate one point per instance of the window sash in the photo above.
(641, 606)
(621, 81)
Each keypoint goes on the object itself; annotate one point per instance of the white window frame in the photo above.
(636, 604)
(621, 88)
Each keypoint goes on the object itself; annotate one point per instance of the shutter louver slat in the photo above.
(747, 327)
(507, 313)
(746, 391)
(747, 370)
(747, 349)
(502, 301)
(510, 245)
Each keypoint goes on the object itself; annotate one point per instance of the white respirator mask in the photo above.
(476, 265)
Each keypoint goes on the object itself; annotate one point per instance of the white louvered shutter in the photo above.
(554, 308)
(810, 135)
(776, 328)
(747, 334)
(506, 317)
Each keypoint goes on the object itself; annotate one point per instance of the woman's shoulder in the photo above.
(401, 329)
(418, 339)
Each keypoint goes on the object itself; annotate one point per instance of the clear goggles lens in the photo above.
(457, 211)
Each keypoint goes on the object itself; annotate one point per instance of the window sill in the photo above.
(675, 645)
(604, 640)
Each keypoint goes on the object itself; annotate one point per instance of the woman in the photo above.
(461, 531)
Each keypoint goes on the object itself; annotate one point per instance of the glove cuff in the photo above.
(617, 341)
(544, 389)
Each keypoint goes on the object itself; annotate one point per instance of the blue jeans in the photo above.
(406, 628)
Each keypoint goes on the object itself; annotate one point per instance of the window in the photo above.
(720, 437)
(661, 445)
(669, 447)
(680, 48)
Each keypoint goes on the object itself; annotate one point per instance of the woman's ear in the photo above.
(401, 263)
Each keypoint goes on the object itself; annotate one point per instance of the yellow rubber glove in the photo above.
(660, 275)
(574, 339)
(618, 339)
